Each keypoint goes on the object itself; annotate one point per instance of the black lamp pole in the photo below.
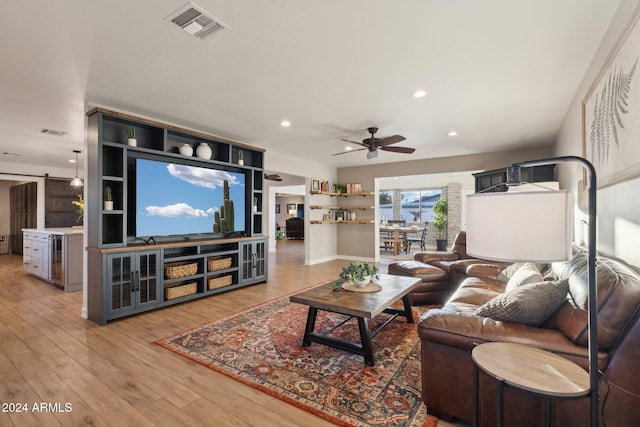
(593, 285)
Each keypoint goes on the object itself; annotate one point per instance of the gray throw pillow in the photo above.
(530, 304)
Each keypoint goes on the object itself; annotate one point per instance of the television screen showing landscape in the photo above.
(180, 199)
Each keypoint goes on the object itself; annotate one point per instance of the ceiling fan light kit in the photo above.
(372, 144)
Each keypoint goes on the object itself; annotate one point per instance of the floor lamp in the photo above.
(537, 226)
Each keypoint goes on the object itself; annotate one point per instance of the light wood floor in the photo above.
(115, 375)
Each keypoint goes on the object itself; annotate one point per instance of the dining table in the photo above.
(397, 236)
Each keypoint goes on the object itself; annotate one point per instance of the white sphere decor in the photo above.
(204, 151)
(186, 150)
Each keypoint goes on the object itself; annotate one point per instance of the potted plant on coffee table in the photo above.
(360, 273)
(441, 210)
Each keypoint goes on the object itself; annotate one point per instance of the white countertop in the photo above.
(64, 231)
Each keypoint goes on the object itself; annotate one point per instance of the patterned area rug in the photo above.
(262, 347)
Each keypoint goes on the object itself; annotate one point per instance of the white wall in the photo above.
(618, 205)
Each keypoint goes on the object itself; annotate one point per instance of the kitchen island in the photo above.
(54, 255)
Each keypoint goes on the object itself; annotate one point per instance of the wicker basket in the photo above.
(219, 282)
(176, 270)
(214, 264)
(180, 290)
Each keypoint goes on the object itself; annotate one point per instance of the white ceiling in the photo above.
(500, 72)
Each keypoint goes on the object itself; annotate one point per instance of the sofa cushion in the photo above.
(526, 273)
(530, 304)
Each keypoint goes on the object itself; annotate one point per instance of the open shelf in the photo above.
(328, 193)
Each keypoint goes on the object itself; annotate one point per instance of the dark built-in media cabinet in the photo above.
(129, 273)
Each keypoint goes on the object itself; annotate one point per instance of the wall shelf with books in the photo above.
(330, 193)
(340, 213)
(340, 221)
(360, 207)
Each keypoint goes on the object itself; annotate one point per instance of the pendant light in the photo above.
(76, 182)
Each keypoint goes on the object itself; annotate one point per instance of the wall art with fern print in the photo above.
(611, 112)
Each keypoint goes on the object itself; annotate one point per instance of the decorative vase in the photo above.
(353, 216)
(204, 151)
(241, 162)
(132, 142)
(362, 283)
(108, 205)
(186, 150)
(255, 208)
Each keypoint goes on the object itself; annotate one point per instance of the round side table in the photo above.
(530, 369)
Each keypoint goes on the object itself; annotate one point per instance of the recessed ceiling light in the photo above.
(285, 123)
(72, 160)
(452, 133)
(348, 148)
(419, 93)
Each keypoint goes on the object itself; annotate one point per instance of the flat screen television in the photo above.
(174, 199)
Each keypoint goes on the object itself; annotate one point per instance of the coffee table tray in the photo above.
(369, 287)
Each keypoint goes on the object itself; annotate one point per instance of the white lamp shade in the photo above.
(520, 226)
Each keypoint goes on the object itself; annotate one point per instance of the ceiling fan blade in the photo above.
(405, 150)
(353, 142)
(391, 140)
(350, 151)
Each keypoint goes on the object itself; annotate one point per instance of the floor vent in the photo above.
(196, 21)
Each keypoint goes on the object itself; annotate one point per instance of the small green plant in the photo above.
(131, 132)
(108, 195)
(355, 271)
(339, 188)
(241, 155)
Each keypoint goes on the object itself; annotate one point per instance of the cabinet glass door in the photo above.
(121, 283)
(147, 278)
(260, 258)
(253, 264)
(246, 268)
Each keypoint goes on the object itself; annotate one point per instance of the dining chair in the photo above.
(419, 240)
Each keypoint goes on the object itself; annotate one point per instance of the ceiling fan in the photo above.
(272, 177)
(372, 144)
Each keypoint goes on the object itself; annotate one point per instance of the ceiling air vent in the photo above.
(196, 21)
(53, 132)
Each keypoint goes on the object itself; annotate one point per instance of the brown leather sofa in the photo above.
(454, 261)
(449, 334)
(441, 272)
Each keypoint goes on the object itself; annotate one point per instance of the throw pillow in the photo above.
(508, 272)
(530, 304)
(527, 273)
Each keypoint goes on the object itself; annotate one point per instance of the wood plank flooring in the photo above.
(115, 375)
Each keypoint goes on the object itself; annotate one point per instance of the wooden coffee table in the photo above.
(361, 305)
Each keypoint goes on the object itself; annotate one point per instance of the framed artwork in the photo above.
(277, 208)
(315, 185)
(291, 207)
(611, 113)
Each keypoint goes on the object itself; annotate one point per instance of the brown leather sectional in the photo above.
(441, 272)
(450, 333)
